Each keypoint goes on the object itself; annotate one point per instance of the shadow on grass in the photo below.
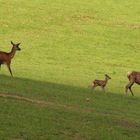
(39, 89)
(57, 92)
(108, 109)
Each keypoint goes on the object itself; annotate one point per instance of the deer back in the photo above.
(4, 57)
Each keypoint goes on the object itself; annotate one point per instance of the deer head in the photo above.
(107, 77)
(16, 46)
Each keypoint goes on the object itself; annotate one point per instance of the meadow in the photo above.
(65, 44)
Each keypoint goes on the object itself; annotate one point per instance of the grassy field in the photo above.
(65, 45)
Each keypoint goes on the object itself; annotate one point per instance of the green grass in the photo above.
(65, 45)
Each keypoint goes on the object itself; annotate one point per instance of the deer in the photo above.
(6, 57)
(133, 77)
(101, 83)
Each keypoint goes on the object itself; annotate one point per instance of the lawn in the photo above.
(65, 45)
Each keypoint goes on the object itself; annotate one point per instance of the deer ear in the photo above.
(12, 43)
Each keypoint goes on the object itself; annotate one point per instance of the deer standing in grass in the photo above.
(134, 77)
(6, 57)
(101, 83)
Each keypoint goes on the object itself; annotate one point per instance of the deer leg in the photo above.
(9, 68)
(131, 91)
(128, 86)
(94, 86)
(1, 64)
(103, 88)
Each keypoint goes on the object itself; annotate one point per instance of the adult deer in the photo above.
(101, 83)
(134, 77)
(6, 57)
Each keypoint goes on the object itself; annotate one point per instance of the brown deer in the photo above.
(6, 57)
(101, 83)
(134, 77)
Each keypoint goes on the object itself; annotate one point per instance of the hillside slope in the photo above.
(65, 45)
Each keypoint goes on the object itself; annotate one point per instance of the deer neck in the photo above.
(12, 52)
(106, 80)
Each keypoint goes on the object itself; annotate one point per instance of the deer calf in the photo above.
(6, 57)
(101, 83)
(134, 77)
